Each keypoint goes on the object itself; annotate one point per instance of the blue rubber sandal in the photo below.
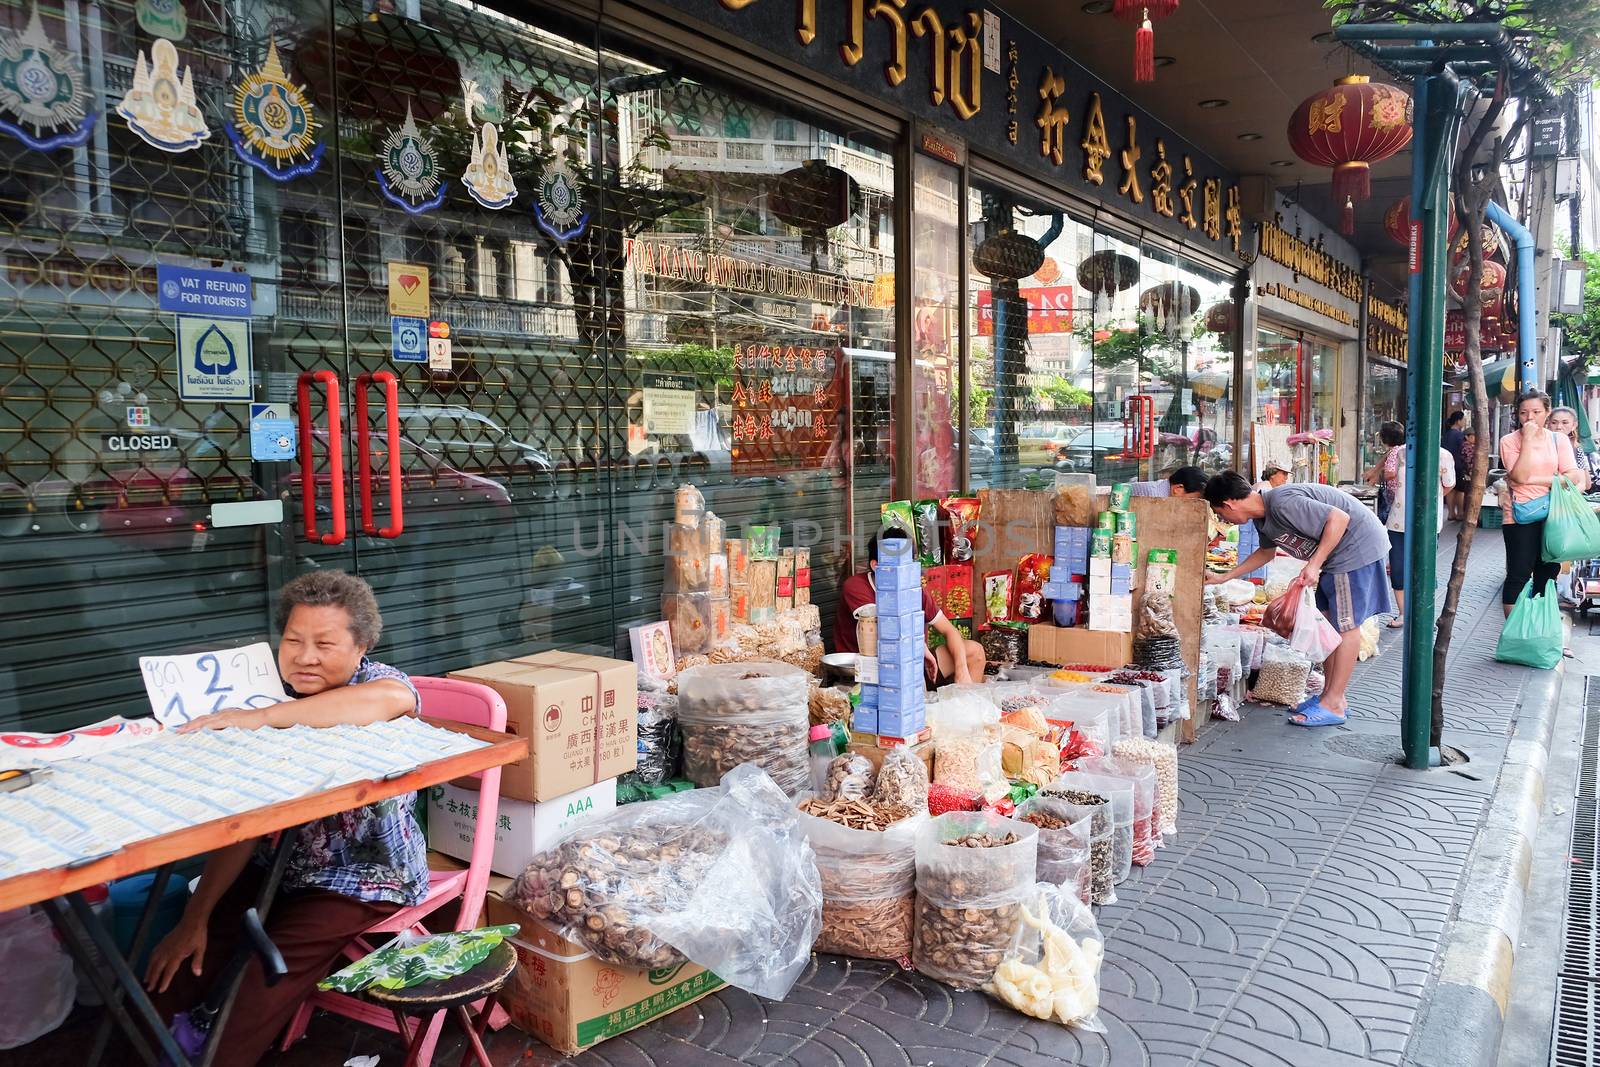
(1317, 715)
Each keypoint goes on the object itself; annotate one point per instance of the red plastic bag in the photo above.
(1281, 613)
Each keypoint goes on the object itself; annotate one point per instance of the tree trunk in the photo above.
(1475, 200)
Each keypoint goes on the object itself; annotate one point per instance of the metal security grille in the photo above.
(1578, 981)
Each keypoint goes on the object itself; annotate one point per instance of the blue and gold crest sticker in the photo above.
(273, 127)
(42, 90)
(408, 169)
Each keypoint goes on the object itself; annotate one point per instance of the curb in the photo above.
(1467, 1006)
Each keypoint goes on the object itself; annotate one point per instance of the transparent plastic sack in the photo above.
(659, 746)
(968, 899)
(1120, 792)
(968, 759)
(734, 713)
(961, 711)
(1314, 635)
(902, 780)
(37, 984)
(1146, 817)
(1280, 573)
(1051, 970)
(1065, 832)
(1164, 758)
(1129, 718)
(868, 886)
(722, 877)
(1079, 804)
(1282, 678)
(1097, 721)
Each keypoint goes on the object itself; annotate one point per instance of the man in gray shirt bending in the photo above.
(1344, 546)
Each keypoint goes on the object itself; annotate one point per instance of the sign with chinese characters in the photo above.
(1049, 310)
(786, 401)
(1386, 329)
(1305, 273)
(668, 403)
(1003, 89)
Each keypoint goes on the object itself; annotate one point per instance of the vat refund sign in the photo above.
(186, 687)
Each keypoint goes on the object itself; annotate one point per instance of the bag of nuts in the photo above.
(868, 886)
(718, 876)
(973, 870)
(1064, 841)
(733, 713)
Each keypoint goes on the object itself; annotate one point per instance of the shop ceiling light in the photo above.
(1098, 7)
(1214, 103)
(1249, 137)
(1281, 163)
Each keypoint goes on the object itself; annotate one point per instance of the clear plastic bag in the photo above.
(1282, 679)
(722, 877)
(1146, 821)
(1096, 807)
(1164, 758)
(37, 984)
(968, 898)
(902, 781)
(968, 759)
(1282, 571)
(1120, 792)
(961, 712)
(1313, 634)
(1096, 720)
(1052, 968)
(734, 713)
(868, 887)
(1065, 833)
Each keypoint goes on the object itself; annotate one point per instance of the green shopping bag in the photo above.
(1532, 633)
(1572, 530)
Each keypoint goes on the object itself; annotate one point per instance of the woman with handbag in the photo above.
(1533, 456)
(1389, 475)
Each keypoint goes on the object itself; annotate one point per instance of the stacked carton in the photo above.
(893, 694)
(1068, 573)
(1112, 549)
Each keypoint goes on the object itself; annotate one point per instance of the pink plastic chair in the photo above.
(453, 701)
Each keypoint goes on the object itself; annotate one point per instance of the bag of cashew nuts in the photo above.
(868, 886)
(733, 713)
(722, 877)
(973, 870)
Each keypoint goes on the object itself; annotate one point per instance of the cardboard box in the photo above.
(894, 627)
(579, 714)
(562, 995)
(864, 719)
(523, 828)
(899, 674)
(867, 670)
(897, 602)
(897, 576)
(1073, 644)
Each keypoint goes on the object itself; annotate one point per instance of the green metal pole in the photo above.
(1440, 122)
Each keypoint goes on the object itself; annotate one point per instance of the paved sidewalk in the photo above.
(1296, 919)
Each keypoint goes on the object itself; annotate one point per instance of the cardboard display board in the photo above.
(1178, 523)
(1011, 523)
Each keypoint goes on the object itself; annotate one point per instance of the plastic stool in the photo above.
(482, 982)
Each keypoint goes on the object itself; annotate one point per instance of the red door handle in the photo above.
(391, 396)
(308, 477)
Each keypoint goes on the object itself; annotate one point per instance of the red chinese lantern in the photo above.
(1222, 317)
(1144, 39)
(1349, 127)
(1491, 287)
(1397, 223)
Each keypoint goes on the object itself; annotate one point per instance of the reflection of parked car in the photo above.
(471, 441)
(1099, 451)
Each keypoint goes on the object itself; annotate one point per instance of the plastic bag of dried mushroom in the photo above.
(733, 713)
(868, 884)
(973, 870)
(718, 876)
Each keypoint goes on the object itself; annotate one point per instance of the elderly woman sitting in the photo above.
(345, 872)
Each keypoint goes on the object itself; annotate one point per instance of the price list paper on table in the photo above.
(186, 687)
(96, 805)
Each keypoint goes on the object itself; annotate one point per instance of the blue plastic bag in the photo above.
(1532, 633)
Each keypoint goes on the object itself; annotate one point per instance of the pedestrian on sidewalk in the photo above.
(1389, 475)
(1454, 441)
(1532, 455)
(1344, 546)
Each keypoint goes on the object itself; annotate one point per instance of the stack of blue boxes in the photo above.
(1067, 573)
(896, 705)
(1249, 542)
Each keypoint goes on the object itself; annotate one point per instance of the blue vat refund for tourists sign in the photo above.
(203, 292)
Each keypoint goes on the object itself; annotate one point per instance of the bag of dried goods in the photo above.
(1078, 804)
(1164, 758)
(660, 748)
(1314, 635)
(1282, 678)
(1120, 792)
(961, 526)
(1052, 968)
(968, 760)
(902, 781)
(733, 713)
(1093, 721)
(868, 886)
(1027, 757)
(1065, 832)
(721, 877)
(1146, 816)
(1129, 719)
(964, 709)
(1284, 610)
(848, 777)
(973, 871)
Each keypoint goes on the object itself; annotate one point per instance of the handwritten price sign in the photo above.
(186, 687)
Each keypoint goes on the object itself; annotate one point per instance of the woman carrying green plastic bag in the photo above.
(1573, 530)
(1532, 634)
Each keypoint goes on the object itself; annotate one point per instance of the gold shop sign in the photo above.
(1309, 261)
(741, 275)
(1307, 301)
(1386, 329)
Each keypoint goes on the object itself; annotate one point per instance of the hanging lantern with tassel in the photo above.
(1349, 127)
(1144, 38)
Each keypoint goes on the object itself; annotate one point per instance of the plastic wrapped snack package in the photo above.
(660, 748)
(1065, 835)
(1120, 792)
(733, 713)
(1146, 817)
(994, 693)
(1164, 758)
(721, 877)
(868, 887)
(968, 759)
(1282, 678)
(1052, 969)
(974, 869)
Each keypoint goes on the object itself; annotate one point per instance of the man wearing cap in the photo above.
(1273, 474)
